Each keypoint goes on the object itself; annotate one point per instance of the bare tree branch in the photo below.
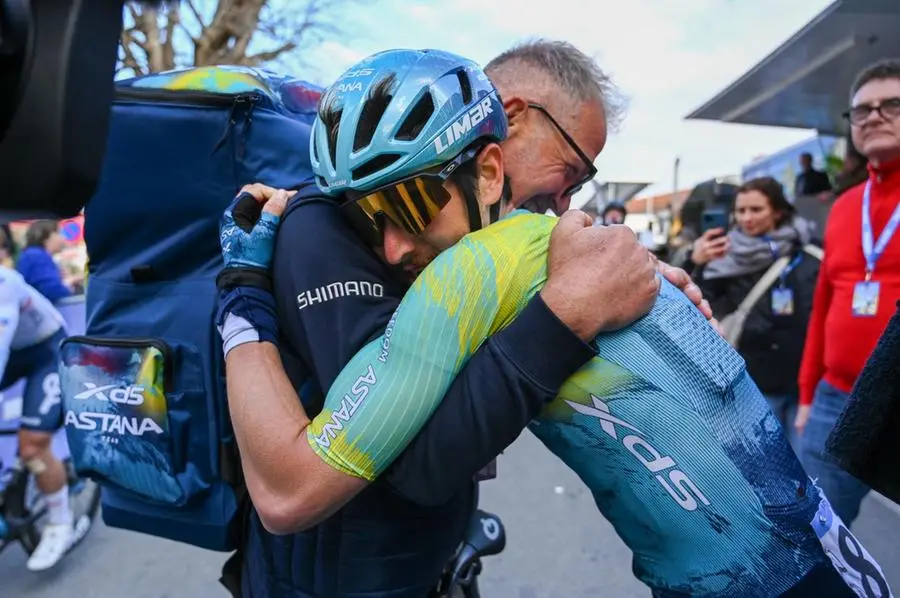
(247, 32)
(197, 16)
(184, 29)
(261, 57)
(173, 18)
(133, 10)
(149, 24)
(128, 60)
(132, 40)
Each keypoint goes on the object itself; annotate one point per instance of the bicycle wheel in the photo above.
(26, 500)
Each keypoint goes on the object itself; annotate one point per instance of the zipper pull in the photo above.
(248, 120)
(228, 127)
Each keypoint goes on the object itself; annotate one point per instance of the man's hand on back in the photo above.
(683, 281)
(599, 278)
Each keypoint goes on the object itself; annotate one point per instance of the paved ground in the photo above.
(557, 547)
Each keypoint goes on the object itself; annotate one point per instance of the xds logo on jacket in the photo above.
(676, 482)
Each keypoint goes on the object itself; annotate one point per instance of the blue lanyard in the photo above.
(773, 247)
(790, 268)
(872, 250)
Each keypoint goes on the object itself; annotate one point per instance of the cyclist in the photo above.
(664, 425)
(30, 332)
(336, 294)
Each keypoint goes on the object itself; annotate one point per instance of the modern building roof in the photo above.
(805, 83)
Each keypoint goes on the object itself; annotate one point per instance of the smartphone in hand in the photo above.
(714, 218)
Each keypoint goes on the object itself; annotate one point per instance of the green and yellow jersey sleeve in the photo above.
(387, 392)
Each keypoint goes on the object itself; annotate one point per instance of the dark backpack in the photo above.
(144, 388)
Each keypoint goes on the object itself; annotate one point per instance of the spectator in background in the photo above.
(6, 248)
(810, 181)
(36, 265)
(853, 172)
(859, 284)
(614, 213)
(727, 267)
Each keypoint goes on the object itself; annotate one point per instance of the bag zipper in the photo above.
(247, 102)
(132, 343)
(248, 120)
(237, 101)
(173, 96)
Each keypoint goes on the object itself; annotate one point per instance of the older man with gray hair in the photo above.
(341, 537)
(559, 105)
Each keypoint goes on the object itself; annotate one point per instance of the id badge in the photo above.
(865, 298)
(782, 301)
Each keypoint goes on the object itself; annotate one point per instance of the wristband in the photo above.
(236, 331)
(246, 314)
(230, 278)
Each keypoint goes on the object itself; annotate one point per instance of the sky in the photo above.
(668, 57)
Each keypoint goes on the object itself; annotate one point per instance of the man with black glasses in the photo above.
(858, 286)
(554, 129)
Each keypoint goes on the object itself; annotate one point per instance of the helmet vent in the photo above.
(417, 119)
(380, 97)
(333, 125)
(330, 113)
(374, 165)
(465, 85)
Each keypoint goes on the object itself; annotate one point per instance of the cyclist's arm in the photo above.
(484, 411)
(387, 392)
(9, 320)
(507, 383)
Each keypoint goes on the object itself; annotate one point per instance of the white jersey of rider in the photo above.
(26, 317)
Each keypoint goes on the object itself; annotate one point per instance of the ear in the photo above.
(516, 109)
(490, 174)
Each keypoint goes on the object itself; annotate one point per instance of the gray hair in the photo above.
(887, 68)
(569, 69)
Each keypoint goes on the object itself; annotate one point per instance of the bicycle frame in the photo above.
(485, 537)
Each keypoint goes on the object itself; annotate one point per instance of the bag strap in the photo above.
(814, 251)
(760, 288)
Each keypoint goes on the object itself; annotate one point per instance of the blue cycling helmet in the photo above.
(429, 107)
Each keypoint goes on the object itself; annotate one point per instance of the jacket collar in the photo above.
(885, 174)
